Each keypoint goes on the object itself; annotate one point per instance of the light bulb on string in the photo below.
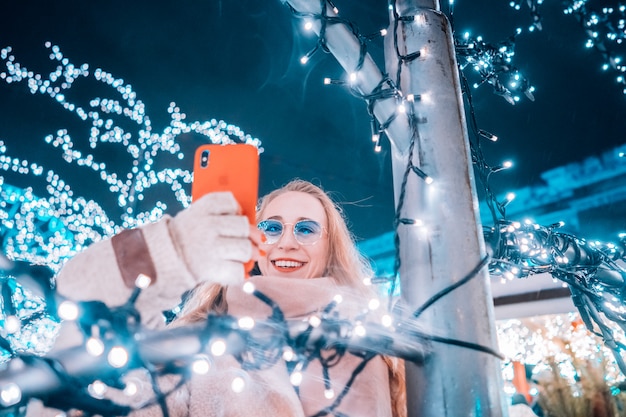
(427, 179)
(97, 389)
(507, 200)
(12, 324)
(10, 394)
(246, 323)
(201, 365)
(238, 384)
(296, 378)
(248, 287)
(68, 310)
(117, 357)
(94, 346)
(488, 135)
(359, 330)
(315, 321)
(288, 354)
(143, 281)
(218, 347)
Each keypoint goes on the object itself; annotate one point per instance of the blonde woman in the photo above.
(305, 255)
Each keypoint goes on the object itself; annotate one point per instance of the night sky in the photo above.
(238, 61)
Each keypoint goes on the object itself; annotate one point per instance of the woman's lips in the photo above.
(287, 265)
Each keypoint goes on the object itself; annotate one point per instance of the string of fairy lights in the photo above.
(114, 335)
(78, 221)
(50, 230)
(605, 28)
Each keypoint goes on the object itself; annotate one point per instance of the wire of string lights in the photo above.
(114, 342)
(605, 27)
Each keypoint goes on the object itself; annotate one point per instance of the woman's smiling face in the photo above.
(287, 257)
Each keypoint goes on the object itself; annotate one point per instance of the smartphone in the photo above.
(234, 168)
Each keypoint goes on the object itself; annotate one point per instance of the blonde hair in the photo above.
(346, 265)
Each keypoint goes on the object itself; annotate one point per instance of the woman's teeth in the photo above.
(288, 264)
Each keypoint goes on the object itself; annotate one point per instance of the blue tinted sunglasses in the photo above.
(306, 232)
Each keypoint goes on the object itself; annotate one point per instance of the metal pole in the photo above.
(454, 381)
(345, 47)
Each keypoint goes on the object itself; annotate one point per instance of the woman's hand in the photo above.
(257, 238)
(214, 240)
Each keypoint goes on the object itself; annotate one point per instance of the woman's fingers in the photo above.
(257, 238)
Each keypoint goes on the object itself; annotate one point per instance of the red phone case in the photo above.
(233, 168)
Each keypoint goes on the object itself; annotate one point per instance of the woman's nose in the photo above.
(287, 239)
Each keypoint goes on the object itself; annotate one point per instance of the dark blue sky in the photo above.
(239, 61)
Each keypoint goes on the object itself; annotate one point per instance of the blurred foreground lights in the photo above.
(94, 346)
(117, 357)
(143, 281)
(296, 378)
(131, 389)
(10, 394)
(315, 321)
(218, 347)
(246, 323)
(329, 394)
(308, 25)
(288, 354)
(12, 324)
(248, 288)
(386, 320)
(373, 304)
(338, 298)
(201, 366)
(359, 330)
(97, 389)
(238, 384)
(68, 310)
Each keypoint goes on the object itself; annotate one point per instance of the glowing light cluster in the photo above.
(111, 337)
(591, 270)
(47, 230)
(25, 327)
(562, 338)
(493, 63)
(606, 31)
